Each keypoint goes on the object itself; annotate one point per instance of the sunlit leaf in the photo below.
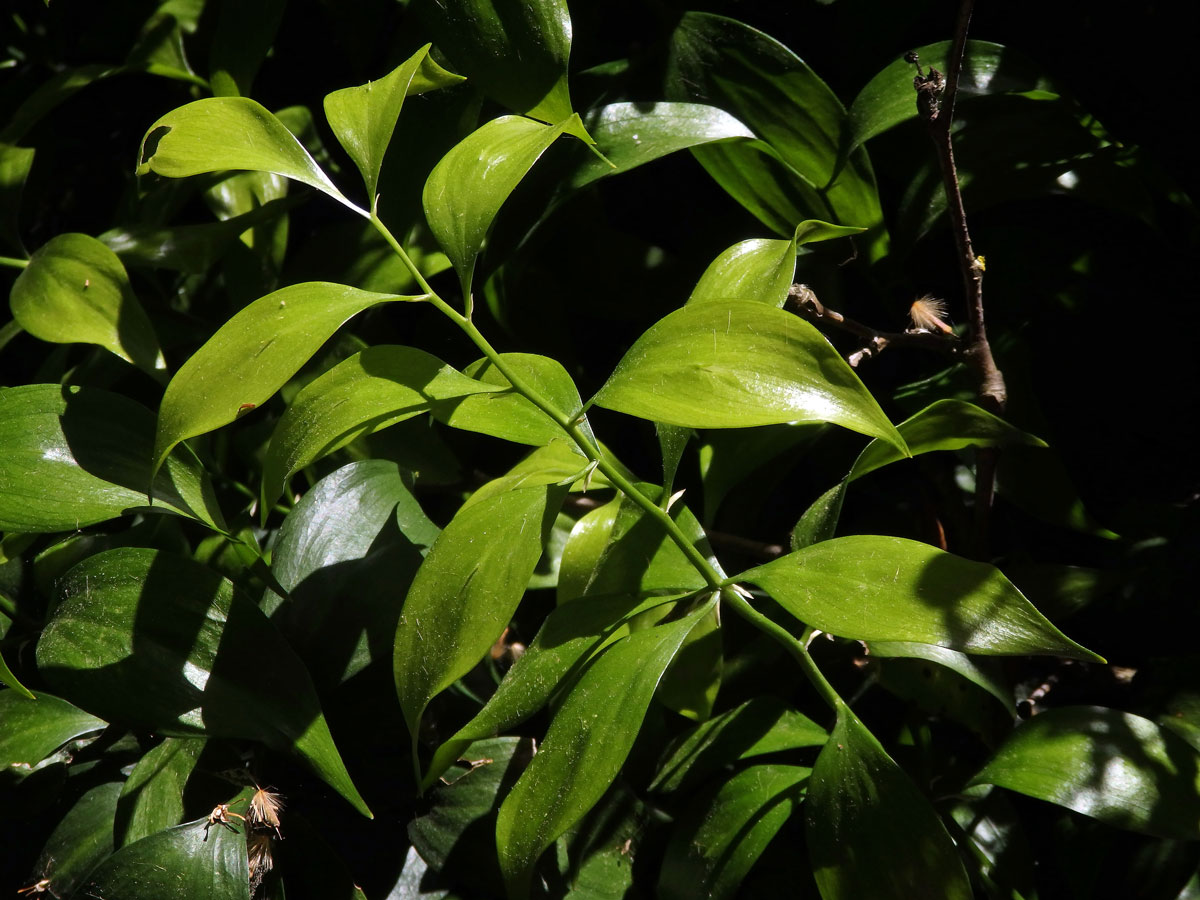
(723, 832)
(739, 364)
(253, 355)
(164, 643)
(871, 833)
(585, 746)
(74, 456)
(75, 290)
(880, 588)
(466, 591)
(373, 389)
(33, 729)
(219, 133)
(1114, 766)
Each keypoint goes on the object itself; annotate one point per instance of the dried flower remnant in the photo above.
(258, 858)
(265, 806)
(927, 313)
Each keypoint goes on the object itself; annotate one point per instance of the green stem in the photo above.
(13, 262)
(9, 331)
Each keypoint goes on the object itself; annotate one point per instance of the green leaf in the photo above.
(738, 364)
(187, 862)
(568, 638)
(557, 463)
(219, 133)
(943, 425)
(371, 390)
(721, 835)
(363, 118)
(243, 39)
(971, 669)
(585, 746)
(585, 546)
(631, 134)
(346, 555)
(33, 729)
(466, 591)
(691, 682)
(870, 832)
(74, 456)
(152, 797)
(253, 355)
(75, 290)
(877, 588)
(15, 163)
(672, 441)
(758, 269)
(889, 99)
(82, 839)
(819, 521)
(757, 727)
(1114, 766)
(508, 415)
(164, 643)
(56, 89)
(8, 679)
(732, 66)
(514, 50)
(729, 457)
(468, 186)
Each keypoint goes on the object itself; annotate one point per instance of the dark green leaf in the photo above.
(468, 186)
(738, 364)
(219, 133)
(672, 441)
(722, 834)
(8, 679)
(253, 355)
(189, 862)
(243, 39)
(819, 521)
(585, 746)
(975, 671)
(15, 163)
(871, 833)
(346, 566)
(164, 643)
(765, 85)
(81, 840)
(75, 290)
(889, 98)
(466, 591)
(585, 546)
(1114, 766)
(729, 457)
(152, 797)
(363, 118)
(33, 729)
(759, 726)
(632, 134)
(878, 588)
(373, 389)
(514, 50)
(56, 89)
(507, 414)
(74, 456)
(691, 682)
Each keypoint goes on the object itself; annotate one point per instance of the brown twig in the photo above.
(935, 104)
(802, 299)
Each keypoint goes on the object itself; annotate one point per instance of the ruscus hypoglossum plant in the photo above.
(320, 578)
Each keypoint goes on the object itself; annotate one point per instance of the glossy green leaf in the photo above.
(219, 133)
(1114, 766)
(557, 463)
(722, 834)
(507, 414)
(819, 521)
(672, 441)
(870, 832)
(943, 425)
(466, 591)
(975, 671)
(8, 679)
(878, 588)
(585, 746)
(567, 639)
(15, 163)
(187, 862)
(74, 456)
(632, 134)
(75, 290)
(373, 389)
(164, 643)
(738, 364)
(468, 186)
(81, 840)
(889, 99)
(152, 797)
(757, 727)
(346, 554)
(253, 355)
(732, 66)
(585, 546)
(33, 729)
(514, 50)
(363, 118)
